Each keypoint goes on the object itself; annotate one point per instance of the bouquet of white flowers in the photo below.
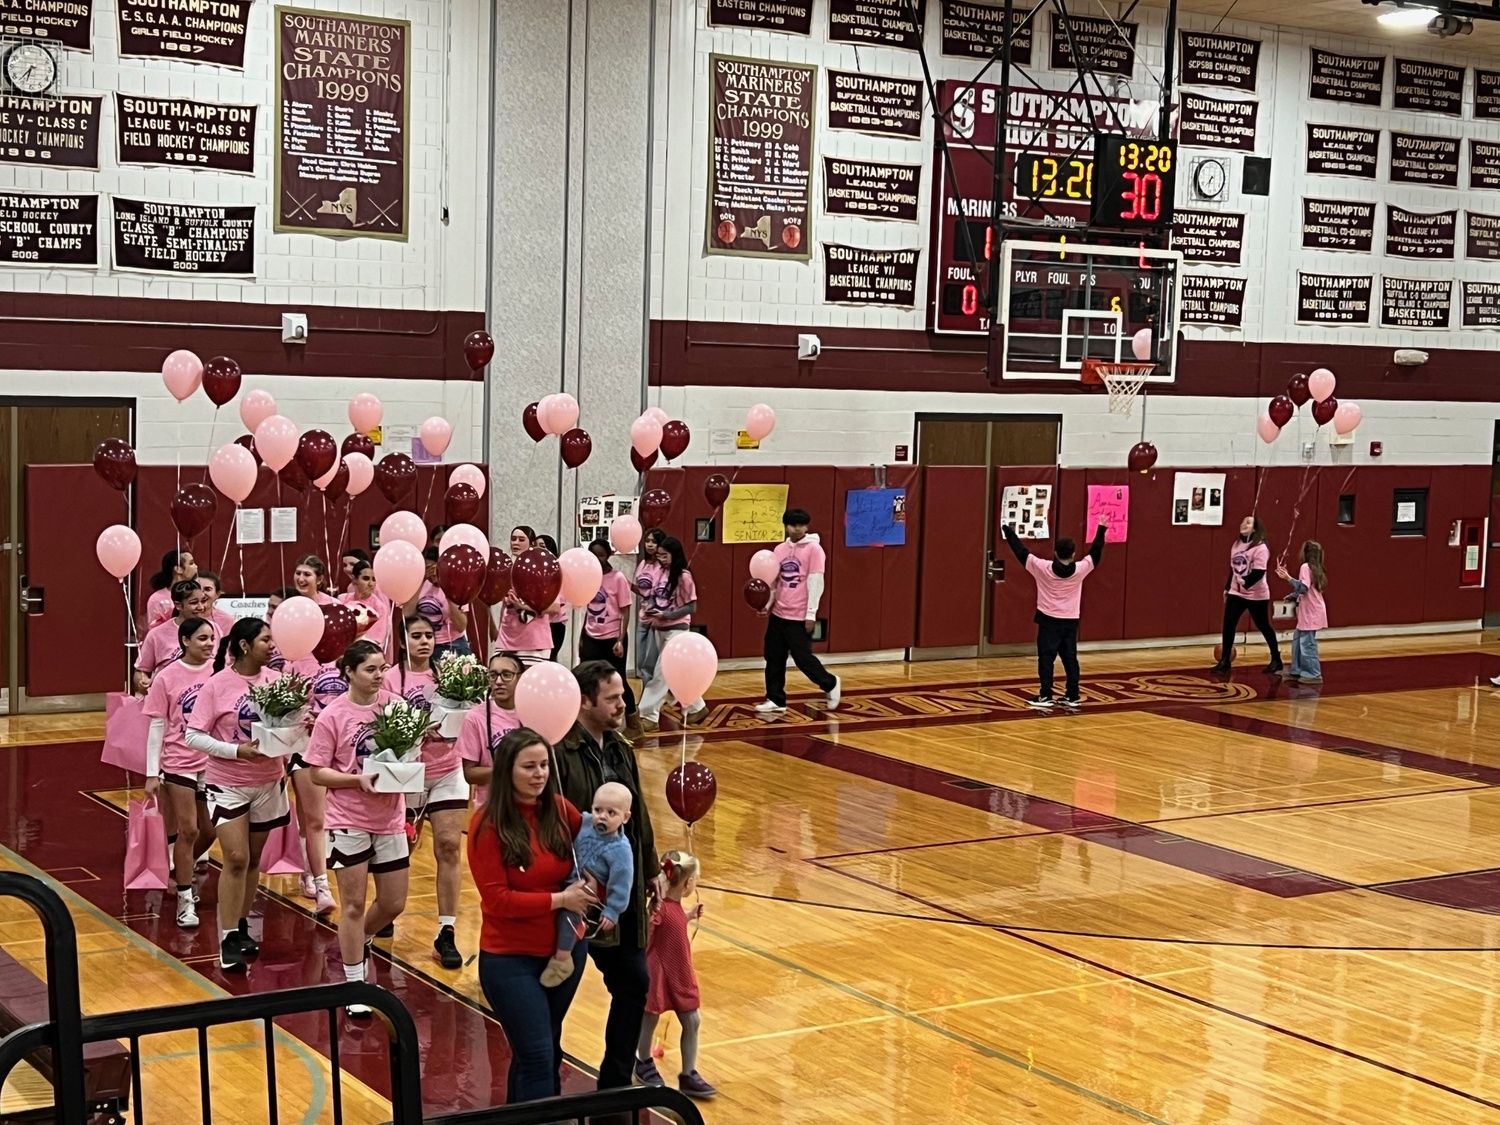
(282, 704)
(397, 733)
(461, 686)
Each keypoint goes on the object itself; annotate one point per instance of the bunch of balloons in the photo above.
(1317, 388)
(558, 414)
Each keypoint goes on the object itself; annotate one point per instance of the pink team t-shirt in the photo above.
(647, 576)
(523, 631)
(418, 689)
(378, 606)
(1312, 610)
(473, 746)
(660, 600)
(341, 741)
(173, 694)
(222, 622)
(328, 684)
(1059, 597)
(1243, 558)
(797, 562)
(432, 604)
(160, 647)
(602, 616)
(223, 711)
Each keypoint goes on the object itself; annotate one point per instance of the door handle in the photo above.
(33, 599)
(995, 570)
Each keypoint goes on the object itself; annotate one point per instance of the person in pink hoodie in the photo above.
(792, 615)
(1246, 591)
(1059, 598)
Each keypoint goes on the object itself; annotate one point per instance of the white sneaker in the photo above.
(1495, 680)
(187, 912)
(309, 888)
(835, 694)
(325, 902)
(768, 708)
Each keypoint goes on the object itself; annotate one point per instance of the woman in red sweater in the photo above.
(521, 854)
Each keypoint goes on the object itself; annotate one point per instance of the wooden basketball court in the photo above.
(1198, 901)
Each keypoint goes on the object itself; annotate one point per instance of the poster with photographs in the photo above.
(50, 132)
(1325, 298)
(1198, 500)
(1025, 507)
(1351, 79)
(49, 230)
(1418, 159)
(1486, 94)
(870, 103)
(1412, 302)
(1484, 165)
(177, 133)
(1340, 150)
(193, 31)
(182, 239)
(1338, 224)
(793, 17)
(1481, 304)
(1428, 87)
(853, 275)
(1481, 237)
(62, 23)
(1417, 234)
(1212, 237)
(1218, 123)
(1109, 46)
(596, 513)
(1210, 59)
(1212, 299)
(977, 31)
(879, 23)
(875, 191)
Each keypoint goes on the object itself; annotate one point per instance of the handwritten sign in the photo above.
(875, 517)
(752, 514)
(1112, 502)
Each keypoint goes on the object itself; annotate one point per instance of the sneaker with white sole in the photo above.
(324, 903)
(1071, 703)
(309, 888)
(187, 911)
(835, 693)
(1495, 680)
(766, 707)
(1040, 702)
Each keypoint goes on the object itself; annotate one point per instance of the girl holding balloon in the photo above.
(176, 566)
(161, 646)
(557, 617)
(668, 609)
(522, 630)
(606, 625)
(372, 608)
(449, 621)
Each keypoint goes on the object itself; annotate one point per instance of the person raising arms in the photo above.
(1059, 600)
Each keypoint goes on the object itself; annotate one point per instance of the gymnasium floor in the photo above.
(1197, 902)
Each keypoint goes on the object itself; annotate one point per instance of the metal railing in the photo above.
(665, 1103)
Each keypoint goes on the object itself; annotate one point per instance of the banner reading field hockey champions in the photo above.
(342, 147)
(760, 157)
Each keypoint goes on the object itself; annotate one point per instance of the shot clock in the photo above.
(1135, 183)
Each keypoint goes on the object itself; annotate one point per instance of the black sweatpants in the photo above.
(1260, 613)
(785, 638)
(592, 648)
(1057, 636)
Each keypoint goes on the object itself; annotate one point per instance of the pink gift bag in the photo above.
(146, 867)
(283, 851)
(125, 731)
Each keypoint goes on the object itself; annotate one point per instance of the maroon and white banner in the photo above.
(1213, 237)
(1412, 302)
(1484, 165)
(195, 31)
(179, 133)
(1342, 150)
(1418, 159)
(1218, 123)
(882, 23)
(1212, 299)
(1338, 224)
(1428, 87)
(62, 23)
(977, 31)
(853, 275)
(1325, 298)
(873, 190)
(1486, 94)
(60, 132)
(1108, 46)
(1481, 237)
(791, 16)
(46, 231)
(1351, 79)
(1414, 234)
(871, 103)
(1209, 59)
(1481, 304)
(179, 238)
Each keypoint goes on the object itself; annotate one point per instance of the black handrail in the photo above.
(576, 1107)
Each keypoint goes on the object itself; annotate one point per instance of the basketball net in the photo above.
(1122, 380)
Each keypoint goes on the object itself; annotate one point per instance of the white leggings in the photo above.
(654, 691)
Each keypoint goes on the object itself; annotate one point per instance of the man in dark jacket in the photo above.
(592, 753)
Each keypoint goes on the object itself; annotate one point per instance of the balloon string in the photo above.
(327, 558)
(234, 529)
(208, 457)
(179, 489)
(1296, 512)
(280, 546)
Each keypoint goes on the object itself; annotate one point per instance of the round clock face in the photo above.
(1208, 179)
(30, 69)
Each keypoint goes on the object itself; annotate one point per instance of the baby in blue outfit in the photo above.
(602, 856)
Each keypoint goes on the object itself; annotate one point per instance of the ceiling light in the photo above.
(1406, 17)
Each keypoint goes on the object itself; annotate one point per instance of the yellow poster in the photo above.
(752, 514)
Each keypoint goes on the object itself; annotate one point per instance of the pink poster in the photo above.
(1112, 502)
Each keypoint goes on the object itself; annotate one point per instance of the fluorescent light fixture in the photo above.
(1406, 17)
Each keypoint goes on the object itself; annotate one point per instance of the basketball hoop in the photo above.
(1123, 381)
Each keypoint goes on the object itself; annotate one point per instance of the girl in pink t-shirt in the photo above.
(308, 577)
(371, 605)
(521, 628)
(484, 727)
(176, 566)
(448, 619)
(161, 646)
(1312, 613)
(366, 829)
(1246, 590)
(557, 616)
(606, 625)
(174, 691)
(667, 609)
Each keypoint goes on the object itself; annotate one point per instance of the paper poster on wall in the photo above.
(249, 526)
(1025, 507)
(1112, 502)
(283, 525)
(875, 517)
(752, 514)
(1198, 500)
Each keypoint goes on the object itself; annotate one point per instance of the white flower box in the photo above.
(448, 716)
(393, 775)
(281, 737)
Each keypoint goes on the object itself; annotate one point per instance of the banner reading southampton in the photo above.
(179, 238)
(49, 230)
(342, 145)
(179, 133)
(195, 31)
(63, 23)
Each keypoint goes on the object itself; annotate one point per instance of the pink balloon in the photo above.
(581, 576)
(1267, 428)
(763, 565)
(760, 420)
(557, 413)
(471, 475)
(297, 627)
(232, 469)
(119, 549)
(1320, 384)
(365, 412)
(255, 408)
(361, 472)
(182, 373)
(645, 435)
(465, 533)
(436, 434)
(1347, 417)
(625, 534)
(399, 571)
(657, 414)
(1140, 345)
(547, 700)
(276, 441)
(406, 527)
(688, 663)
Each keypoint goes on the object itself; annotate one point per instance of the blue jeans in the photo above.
(1305, 662)
(532, 1017)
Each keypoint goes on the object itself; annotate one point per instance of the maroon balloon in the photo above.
(358, 443)
(340, 627)
(674, 439)
(335, 488)
(1296, 389)
(461, 573)
(716, 489)
(496, 578)
(293, 476)
(691, 790)
(656, 504)
(1142, 456)
(757, 594)
(536, 578)
(479, 349)
(193, 509)
(395, 475)
(576, 446)
(1281, 410)
(460, 503)
(114, 461)
(248, 442)
(532, 423)
(1324, 411)
(221, 379)
(316, 453)
(642, 464)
